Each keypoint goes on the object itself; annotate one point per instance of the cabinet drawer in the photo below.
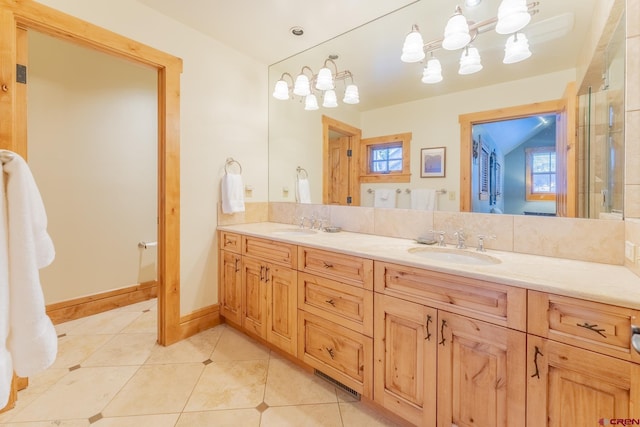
(346, 268)
(268, 250)
(231, 242)
(341, 353)
(600, 327)
(346, 305)
(494, 303)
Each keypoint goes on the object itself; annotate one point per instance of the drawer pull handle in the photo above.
(442, 326)
(331, 301)
(266, 275)
(331, 352)
(262, 273)
(536, 374)
(237, 262)
(429, 320)
(593, 328)
(327, 265)
(228, 242)
(635, 338)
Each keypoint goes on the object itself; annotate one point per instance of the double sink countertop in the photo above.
(606, 283)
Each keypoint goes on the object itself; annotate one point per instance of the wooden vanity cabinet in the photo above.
(230, 276)
(581, 365)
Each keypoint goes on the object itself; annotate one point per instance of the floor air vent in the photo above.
(338, 384)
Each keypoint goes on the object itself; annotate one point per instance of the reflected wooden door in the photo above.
(339, 162)
(566, 155)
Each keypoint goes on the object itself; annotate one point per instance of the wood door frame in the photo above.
(19, 15)
(466, 125)
(330, 124)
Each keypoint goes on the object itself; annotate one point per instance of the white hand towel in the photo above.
(33, 342)
(423, 199)
(232, 193)
(6, 367)
(303, 191)
(384, 198)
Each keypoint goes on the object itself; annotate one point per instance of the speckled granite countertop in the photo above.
(613, 284)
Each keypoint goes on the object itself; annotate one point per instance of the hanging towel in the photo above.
(33, 342)
(303, 190)
(232, 193)
(384, 198)
(6, 367)
(423, 199)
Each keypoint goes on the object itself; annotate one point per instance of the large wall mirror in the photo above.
(393, 100)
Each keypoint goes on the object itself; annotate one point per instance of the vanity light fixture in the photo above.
(513, 16)
(306, 82)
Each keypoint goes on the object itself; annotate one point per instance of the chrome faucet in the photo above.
(440, 235)
(461, 239)
(481, 237)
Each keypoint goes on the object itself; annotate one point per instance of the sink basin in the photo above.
(294, 232)
(454, 256)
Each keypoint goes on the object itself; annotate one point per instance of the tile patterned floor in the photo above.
(111, 373)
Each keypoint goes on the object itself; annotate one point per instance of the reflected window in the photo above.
(541, 173)
(386, 158)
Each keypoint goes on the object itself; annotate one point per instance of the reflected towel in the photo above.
(423, 199)
(384, 198)
(303, 190)
(6, 366)
(33, 342)
(232, 193)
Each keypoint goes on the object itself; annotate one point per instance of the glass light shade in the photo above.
(456, 33)
(472, 3)
(281, 90)
(325, 79)
(311, 102)
(470, 61)
(516, 49)
(330, 100)
(413, 48)
(351, 95)
(432, 72)
(301, 86)
(513, 15)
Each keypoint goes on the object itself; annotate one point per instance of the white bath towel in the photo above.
(303, 190)
(33, 342)
(232, 193)
(423, 199)
(384, 198)
(6, 367)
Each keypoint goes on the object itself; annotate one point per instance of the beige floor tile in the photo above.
(146, 323)
(197, 348)
(155, 389)
(287, 384)
(325, 415)
(160, 420)
(53, 423)
(234, 345)
(109, 322)
(228, 418)
(63, 328)
(343, 396)
(123, 349)
(75, 349)
(229, 385)
(358, 414)
(82, 393)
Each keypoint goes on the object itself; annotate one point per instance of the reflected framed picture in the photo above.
(432, 163)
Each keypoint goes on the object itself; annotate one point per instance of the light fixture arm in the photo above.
(288, 75)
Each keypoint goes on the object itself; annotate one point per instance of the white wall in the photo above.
(92, 129)
(223, 114)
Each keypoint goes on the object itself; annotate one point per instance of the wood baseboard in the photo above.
(86, 306)
(199, 320)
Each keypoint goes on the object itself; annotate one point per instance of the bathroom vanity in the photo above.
(461, 338)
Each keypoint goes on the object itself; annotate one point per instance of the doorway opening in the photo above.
(340, 163)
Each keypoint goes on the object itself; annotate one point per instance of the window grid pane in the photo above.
(386, 159)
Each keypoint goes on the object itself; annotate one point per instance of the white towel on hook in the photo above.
(232, 193)
(384, 198)
(423, 199)
(303, 190)
(33, 342)
(6, 366)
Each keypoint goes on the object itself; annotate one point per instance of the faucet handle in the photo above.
(481, 238)
(441, 235)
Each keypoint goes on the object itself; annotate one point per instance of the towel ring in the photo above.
(302, 173)
(230, 162)
(5, 156)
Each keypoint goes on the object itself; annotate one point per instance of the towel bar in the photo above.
(441, 191)
(371, 190)
(302, 173)
(147, 245)
(230, 162)
(6, 156)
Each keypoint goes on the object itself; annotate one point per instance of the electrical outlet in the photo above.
(630, 251)
(452, 195)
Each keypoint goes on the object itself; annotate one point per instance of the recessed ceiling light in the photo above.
(297, 31)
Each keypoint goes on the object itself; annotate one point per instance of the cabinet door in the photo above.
(282, 297)
(405, 340)
(569, 386)
(481, 373)
(254, 296)
(231, 287)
